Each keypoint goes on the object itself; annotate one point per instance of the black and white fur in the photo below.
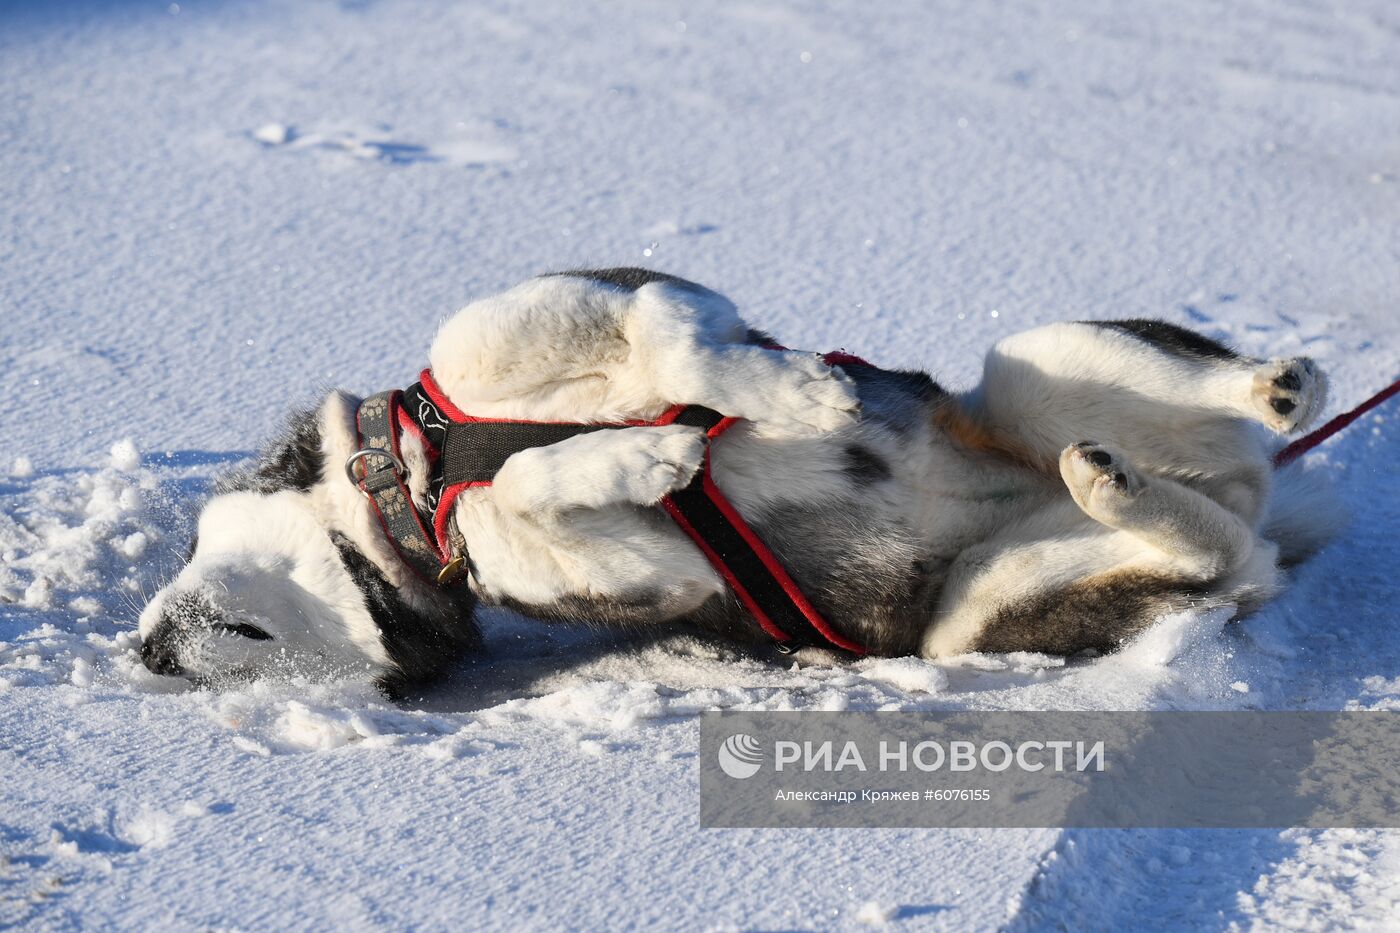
(1101, 475)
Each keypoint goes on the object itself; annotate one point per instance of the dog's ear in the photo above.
(421, 643)
(294, 460)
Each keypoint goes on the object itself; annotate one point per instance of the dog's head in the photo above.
(287, 575)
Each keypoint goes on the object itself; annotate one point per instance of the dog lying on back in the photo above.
(1101, 475)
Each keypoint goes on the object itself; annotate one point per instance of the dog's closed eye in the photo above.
(243, 629)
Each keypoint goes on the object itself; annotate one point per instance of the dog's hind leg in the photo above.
(1140, 384)
(1176, 402)
(1058, 584)
(1194, 534)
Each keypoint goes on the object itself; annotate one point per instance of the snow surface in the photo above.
(212, 211)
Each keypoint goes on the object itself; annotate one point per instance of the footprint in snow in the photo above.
(370, 147)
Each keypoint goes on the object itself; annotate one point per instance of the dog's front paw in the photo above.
(655, 461)
(1288, 394)
(804, 396)
(1098, 477)
(600, 469)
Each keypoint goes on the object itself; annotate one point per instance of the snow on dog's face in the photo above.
(275, 582)
(265, 589)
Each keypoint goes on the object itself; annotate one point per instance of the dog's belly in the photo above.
(873, 557)
(866, 519)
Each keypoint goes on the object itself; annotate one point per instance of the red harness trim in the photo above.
(448, 498)
(456, 414)
(408, 424)
(842, 358)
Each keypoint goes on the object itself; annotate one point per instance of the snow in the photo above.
(274, 134)
(872, 914)
(911, 675)
(215, 211)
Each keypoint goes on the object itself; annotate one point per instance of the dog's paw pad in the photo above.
(1093, 471)
(1288, 394)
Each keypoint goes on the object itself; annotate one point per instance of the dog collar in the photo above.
(466, 452)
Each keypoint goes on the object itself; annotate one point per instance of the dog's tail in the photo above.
(1304, 513)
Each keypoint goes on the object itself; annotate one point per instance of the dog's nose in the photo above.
(159, 658)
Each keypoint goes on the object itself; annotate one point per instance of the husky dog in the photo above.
(1102, 474)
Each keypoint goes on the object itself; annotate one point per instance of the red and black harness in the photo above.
(467, 452)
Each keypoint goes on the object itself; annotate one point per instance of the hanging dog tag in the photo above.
(452, 570)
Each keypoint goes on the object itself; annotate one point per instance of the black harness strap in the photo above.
(473, 453)
(745, 562)
(467, 452)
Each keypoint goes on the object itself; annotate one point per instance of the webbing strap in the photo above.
(473, 453)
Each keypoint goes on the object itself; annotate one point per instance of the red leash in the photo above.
(1308, 441)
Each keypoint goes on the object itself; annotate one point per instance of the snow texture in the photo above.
(213, 211)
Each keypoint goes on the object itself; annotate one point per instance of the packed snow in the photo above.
(214, 211)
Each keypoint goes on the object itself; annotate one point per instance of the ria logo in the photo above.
(740, 756)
